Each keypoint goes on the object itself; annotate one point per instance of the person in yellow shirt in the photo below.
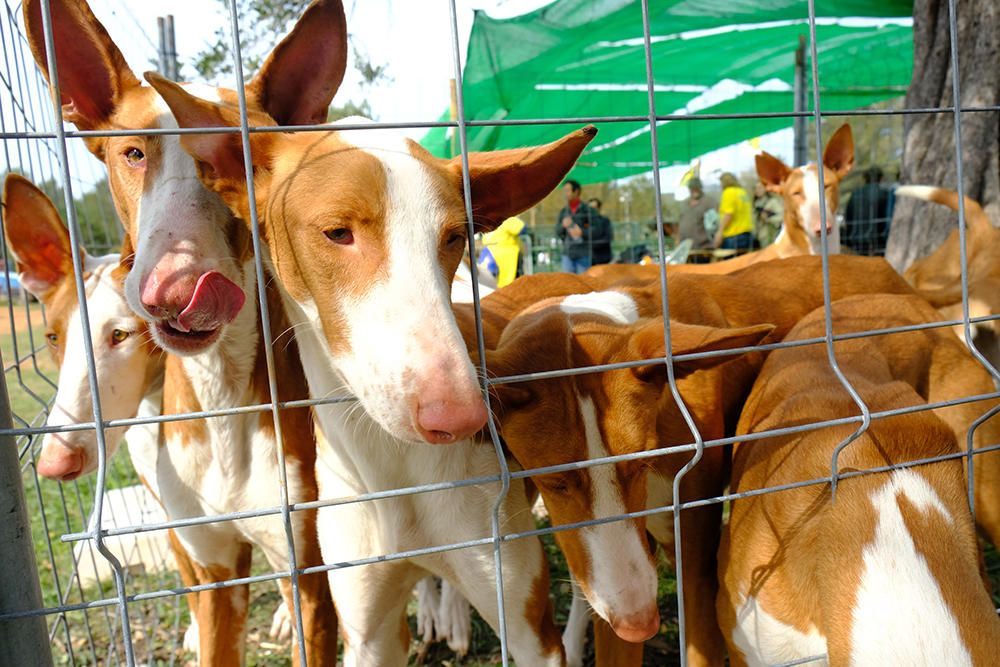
(504, 244)
(736, 216)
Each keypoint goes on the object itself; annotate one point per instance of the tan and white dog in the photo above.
(129, 366)
(800, 229)
(190, 273)
(799, 188)
(156, 191)
(364, 232)
(154, 183)
(586, 417)
(888, 573)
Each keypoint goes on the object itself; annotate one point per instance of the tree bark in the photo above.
(929, 146)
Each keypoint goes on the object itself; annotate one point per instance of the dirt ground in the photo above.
(20, 317)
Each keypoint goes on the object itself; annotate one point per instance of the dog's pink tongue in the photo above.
(216, 301)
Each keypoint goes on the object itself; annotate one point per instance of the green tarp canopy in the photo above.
(585, 58)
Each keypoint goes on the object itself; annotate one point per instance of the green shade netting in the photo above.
(585, 59)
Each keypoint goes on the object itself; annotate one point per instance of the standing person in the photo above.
(504, 244)
(573, 227)
(602, 233)
(768, 213)
(692, 221)
(866, 219)
(736, 217)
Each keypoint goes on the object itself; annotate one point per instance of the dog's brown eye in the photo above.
(52, 338)
(135, 157)
(118, 336)
(554, 483)
(340, 236)
(455, 238)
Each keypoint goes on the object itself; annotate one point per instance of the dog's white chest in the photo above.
(237, 470)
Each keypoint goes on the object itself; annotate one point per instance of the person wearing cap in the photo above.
(692, 220)
(736, 216)
(503, 246)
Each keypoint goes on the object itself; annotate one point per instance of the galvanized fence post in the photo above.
(23, 641)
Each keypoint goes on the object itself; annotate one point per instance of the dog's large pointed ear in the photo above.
(507, 396)
(771, 171)
(37, 237)
(505, 183)
(839, 153)
(219, 156)
(93, 75)
(512, 396)
(297, 82)
(520, 349)
(648, 343)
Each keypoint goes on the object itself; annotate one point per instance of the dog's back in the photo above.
(889, 571)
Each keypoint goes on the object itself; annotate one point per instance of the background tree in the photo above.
(929, 144)
(262, 24)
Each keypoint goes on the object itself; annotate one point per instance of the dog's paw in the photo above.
(455, 619)
(282, 624)
(191, 637)
(428, 602)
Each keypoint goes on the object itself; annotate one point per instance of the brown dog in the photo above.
(938, 275)
(800, 231)
(888, 574)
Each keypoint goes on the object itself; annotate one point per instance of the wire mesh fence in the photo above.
(71, 576)
(107, 568)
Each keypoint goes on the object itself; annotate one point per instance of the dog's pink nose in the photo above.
(165, 294)
(637, 627)
(60, 462)
(818, 227)
(201, 303)
(445, 422)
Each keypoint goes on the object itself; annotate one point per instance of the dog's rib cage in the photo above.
(135, 617)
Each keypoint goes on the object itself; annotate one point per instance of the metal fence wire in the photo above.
(110, 592)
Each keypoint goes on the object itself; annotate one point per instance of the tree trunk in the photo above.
(929, 147)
